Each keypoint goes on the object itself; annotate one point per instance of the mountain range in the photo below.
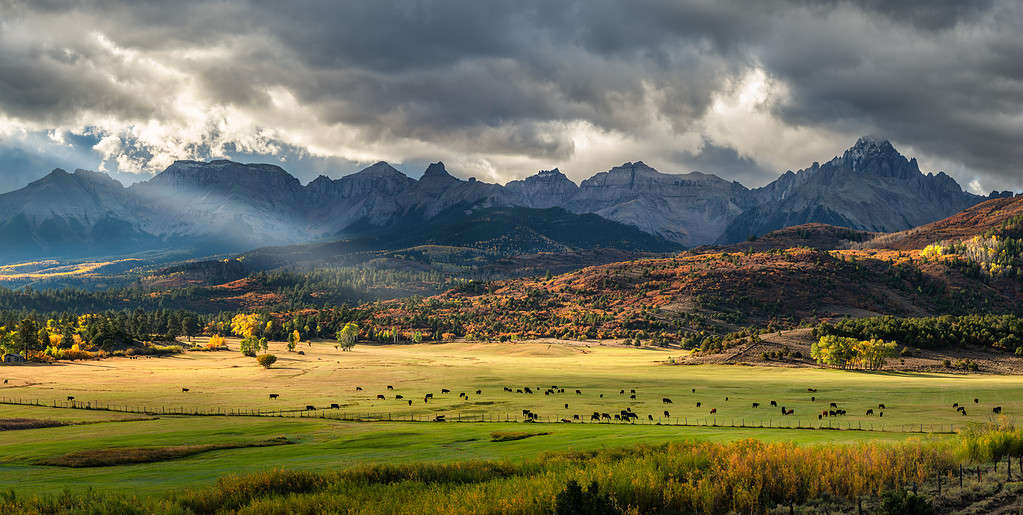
(224, 206)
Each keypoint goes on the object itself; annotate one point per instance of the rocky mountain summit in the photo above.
(870, 187)
(227, 206)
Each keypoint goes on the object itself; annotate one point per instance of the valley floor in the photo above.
(226, 382)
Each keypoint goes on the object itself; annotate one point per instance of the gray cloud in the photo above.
(511, 86)
(726, 162)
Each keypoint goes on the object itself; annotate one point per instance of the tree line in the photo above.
(1002, 332)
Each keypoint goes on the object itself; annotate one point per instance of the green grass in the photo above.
(226, 380)
(323, 445)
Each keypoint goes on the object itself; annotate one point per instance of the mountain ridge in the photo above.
(223, 205)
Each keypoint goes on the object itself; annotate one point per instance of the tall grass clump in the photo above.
(687, 477)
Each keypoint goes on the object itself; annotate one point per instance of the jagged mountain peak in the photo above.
(554, 172)
(545, 176)
(876, 155)
(379, 169)
(437, 171)
(872, 143)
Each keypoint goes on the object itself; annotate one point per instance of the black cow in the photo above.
(566, 405)
(595, 416)
(410, 402)
(811, 390)
(439, 418)
(381, 397)
(334, 405)
(310, 407)
(621, 392)
(774, 404)
(575, 417)
(479, 392)
(429, 396)
(666, 401)
(389, 387)
(633, 396)
(650, 417)
(632, 391)
(713, 410)
(833, 405)
(976, 401)
(813, 399)
(274, 395)
(997, 410)
(697, 404)
(870, 412)
(578, 392)
(666, 414)
(445, 390)
(881, 406)
(756, 404)
(184, 389)
(399, 396)
(358, 388)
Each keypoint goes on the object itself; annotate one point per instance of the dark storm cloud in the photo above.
(726, 162)
(513, 78)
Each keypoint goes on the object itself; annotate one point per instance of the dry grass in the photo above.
(13, 424)
(132, 455)
(50, 269)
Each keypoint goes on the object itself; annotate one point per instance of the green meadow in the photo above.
(226, 381)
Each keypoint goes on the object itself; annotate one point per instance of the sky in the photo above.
(501, 89)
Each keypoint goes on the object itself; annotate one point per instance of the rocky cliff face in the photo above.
(371, 195)
(223, 205)
(70, 214)
(548, 188)
(689, 209)
(870, 187)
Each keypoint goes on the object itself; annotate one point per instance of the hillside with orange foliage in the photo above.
(691, 296)
(813, 235)
(983, 217)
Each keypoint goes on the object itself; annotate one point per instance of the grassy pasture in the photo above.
(321, 445)
(227, 380)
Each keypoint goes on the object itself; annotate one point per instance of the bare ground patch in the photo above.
(511, 436)
(133, 455)
(14, 424)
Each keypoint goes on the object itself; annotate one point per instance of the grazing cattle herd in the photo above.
(624, 415)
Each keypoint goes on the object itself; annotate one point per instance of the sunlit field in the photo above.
(227, 382)
(392, 431)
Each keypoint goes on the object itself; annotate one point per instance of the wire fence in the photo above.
(340, 414)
